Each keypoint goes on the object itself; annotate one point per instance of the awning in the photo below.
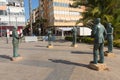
(65, 28)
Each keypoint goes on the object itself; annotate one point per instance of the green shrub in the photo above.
(68, 38)
(89, 40)
(116, 43)
(81, 39)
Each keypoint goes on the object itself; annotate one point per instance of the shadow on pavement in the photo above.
(39, 46)
(60, 45)
(5, 57)
(61, 41)
(68, 62)
(80, 52)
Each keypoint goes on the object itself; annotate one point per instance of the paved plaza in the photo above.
(61, 62)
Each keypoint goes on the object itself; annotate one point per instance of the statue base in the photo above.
(98, 66)
(74, 45)
(49, 46)
(109, 54)
(16, 58)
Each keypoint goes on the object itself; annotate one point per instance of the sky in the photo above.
(26, 4)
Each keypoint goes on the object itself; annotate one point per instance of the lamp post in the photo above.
(7, 36)
(9, 16)
(22, 12)
(16, 21)
(7, 30)
(30, 14)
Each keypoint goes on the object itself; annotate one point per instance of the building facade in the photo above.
(60, 14)
(35, 14)
(12, 13)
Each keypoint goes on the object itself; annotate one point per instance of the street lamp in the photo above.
(30, 16)
(22, 12)
(9, 16)
(16, 22)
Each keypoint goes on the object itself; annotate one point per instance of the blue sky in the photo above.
(34, 5)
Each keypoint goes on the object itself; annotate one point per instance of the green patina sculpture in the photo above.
(110, 37)
(98, 32)
(49, 37)
(74, 32)
(15, 42)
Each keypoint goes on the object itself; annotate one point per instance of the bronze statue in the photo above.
(49, 37)
(74, 32)
(15, 42)
(110, 37)
(98, 33)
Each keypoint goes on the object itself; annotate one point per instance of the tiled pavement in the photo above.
(59, 63)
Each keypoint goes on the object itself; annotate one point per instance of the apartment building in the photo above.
(12, 13)
(60, 14)
(35, 14)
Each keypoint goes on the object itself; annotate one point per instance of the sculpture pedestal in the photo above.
(98, 67)
(74, 45)
(49, 46)
(16, 58)
(107, 54)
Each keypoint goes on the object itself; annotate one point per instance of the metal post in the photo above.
(9, 15)
(1, 31)
(30, 15)
(9, 18)
(7, 31)
(7, 37)
(16, 22)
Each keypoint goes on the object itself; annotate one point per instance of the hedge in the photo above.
(89, 40)
(116, 43)
(70, 38)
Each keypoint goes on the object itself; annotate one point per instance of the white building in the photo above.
(12, 13)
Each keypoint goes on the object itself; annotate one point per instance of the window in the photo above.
(60, 4)
(74, 13)
(66, 12)
(2, 12)
(2, 3)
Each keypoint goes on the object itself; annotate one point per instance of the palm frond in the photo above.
(108, 18)
(95, 11)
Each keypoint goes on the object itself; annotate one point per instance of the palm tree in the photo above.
(107, 10)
